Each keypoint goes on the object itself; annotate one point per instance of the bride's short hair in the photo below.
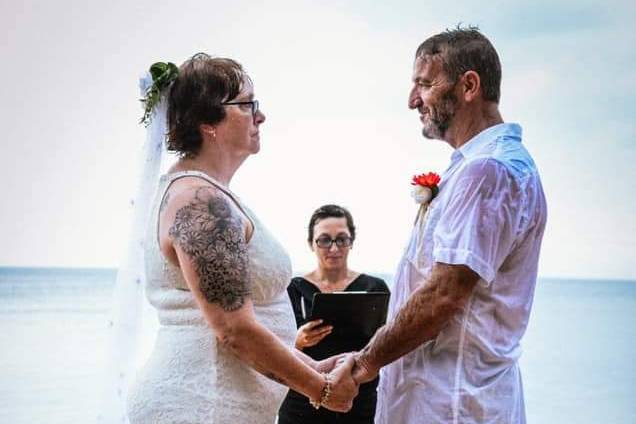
(196, 98)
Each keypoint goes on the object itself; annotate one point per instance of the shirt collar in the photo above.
(476, 144)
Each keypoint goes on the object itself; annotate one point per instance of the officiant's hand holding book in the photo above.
(311, 333)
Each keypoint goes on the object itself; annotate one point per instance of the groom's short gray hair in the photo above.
(466, 49)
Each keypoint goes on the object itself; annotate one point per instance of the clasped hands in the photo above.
(347, 372)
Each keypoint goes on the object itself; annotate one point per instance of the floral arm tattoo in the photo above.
(210, 232)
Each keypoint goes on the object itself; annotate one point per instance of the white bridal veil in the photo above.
(125, 325)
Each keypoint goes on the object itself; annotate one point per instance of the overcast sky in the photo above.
(333, 80)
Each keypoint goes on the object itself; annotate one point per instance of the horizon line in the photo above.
(376, 272)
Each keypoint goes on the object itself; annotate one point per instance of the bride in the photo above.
(216, 276)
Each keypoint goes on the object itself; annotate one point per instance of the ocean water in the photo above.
(578, 362)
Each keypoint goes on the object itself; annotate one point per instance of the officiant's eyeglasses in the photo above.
(252, 103)
(327, 242)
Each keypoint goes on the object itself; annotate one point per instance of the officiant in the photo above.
(331, 233)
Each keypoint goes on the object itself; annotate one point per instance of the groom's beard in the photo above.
(440, 116)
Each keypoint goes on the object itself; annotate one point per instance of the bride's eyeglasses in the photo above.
(253, 104)
(326, 242)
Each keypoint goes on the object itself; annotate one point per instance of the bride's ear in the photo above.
(207, 131)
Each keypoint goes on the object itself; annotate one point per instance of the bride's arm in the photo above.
(207, 234)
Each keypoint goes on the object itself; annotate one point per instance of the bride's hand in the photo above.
(327, 365)
(343, 387)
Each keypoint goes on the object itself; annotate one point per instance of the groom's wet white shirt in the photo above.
(490, 216)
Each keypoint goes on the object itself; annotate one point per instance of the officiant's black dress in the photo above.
(296, 408)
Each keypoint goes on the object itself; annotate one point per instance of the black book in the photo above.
(355, 312)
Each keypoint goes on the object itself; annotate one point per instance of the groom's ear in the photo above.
(471, 86)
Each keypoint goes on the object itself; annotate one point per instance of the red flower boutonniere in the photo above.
(425, 187)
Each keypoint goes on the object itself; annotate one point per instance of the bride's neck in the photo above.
(217, 168)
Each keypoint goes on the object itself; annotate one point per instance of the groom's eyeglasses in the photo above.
(327, 242)
(253, 104)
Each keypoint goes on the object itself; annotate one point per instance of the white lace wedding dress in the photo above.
(189, 378)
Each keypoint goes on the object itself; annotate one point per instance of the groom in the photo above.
(464, 289)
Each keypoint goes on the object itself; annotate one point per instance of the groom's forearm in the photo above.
(425, 314)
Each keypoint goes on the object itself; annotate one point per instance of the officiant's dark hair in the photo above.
(330, 211)
(466, 49)
(196, 98)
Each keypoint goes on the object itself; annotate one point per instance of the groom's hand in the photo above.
(343, 387)
(362, 371)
